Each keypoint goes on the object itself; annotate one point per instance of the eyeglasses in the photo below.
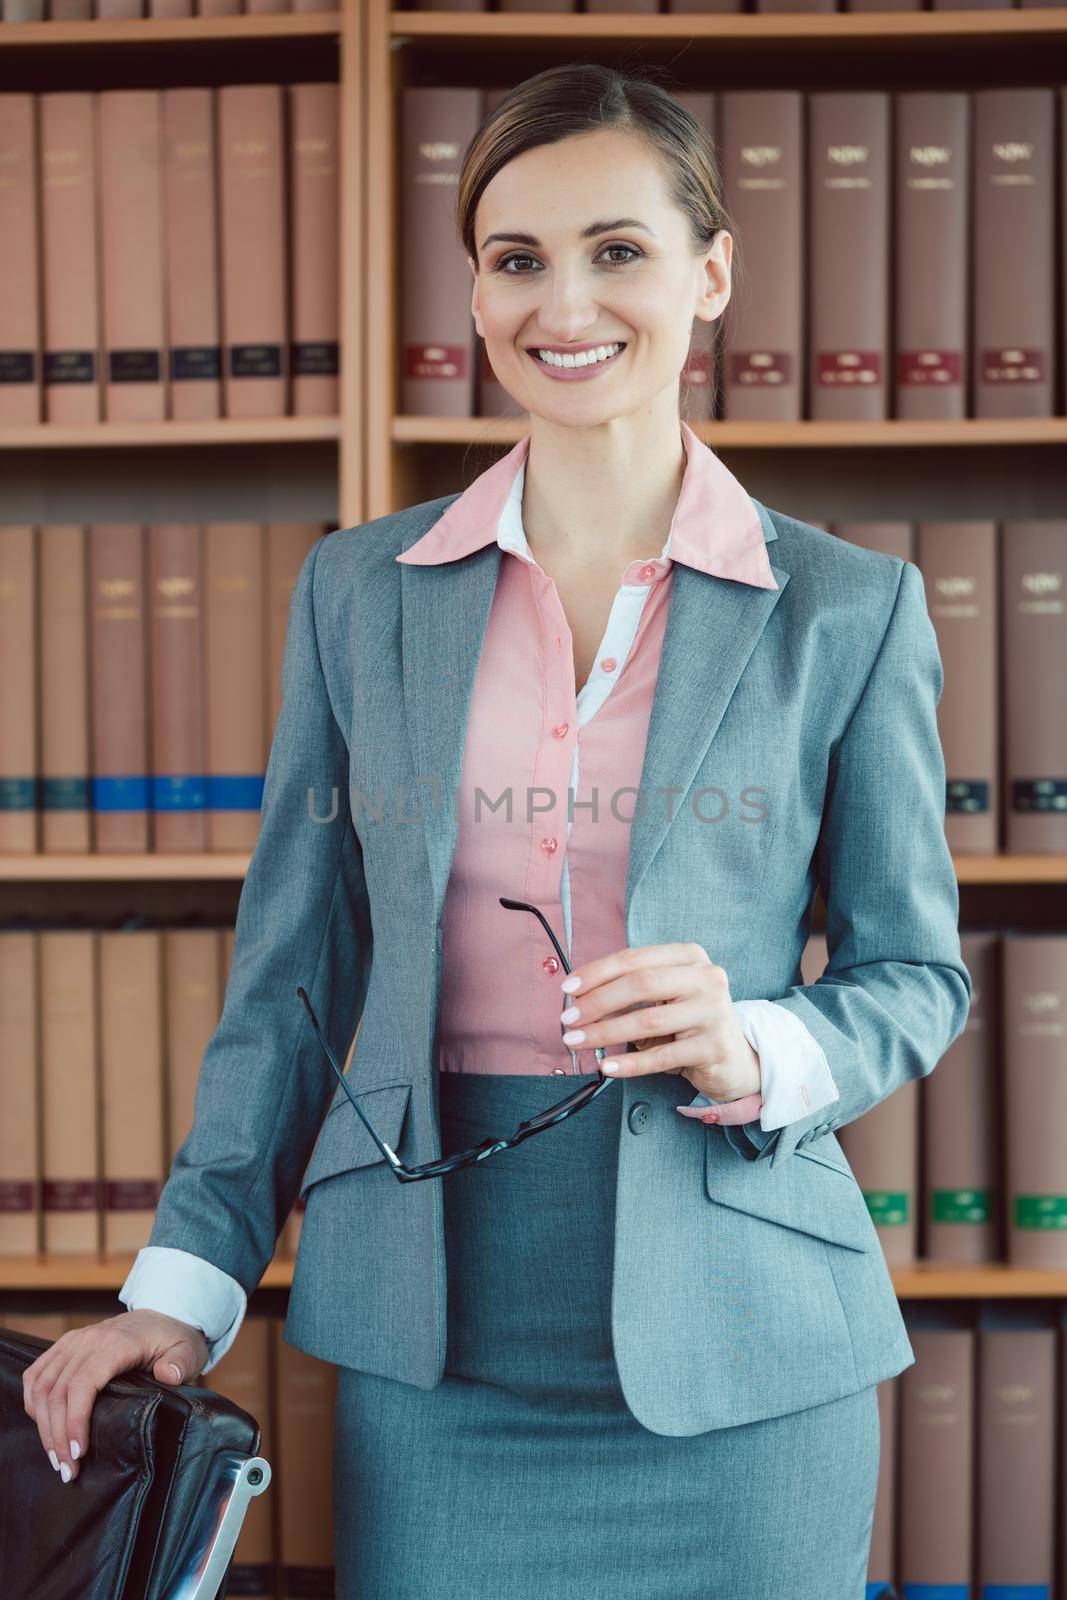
(465, 1158)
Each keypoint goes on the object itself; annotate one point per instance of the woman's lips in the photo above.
(575, 374)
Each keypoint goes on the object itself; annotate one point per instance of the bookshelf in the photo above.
(370, 460)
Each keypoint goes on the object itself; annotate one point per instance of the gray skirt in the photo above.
(524, 1475)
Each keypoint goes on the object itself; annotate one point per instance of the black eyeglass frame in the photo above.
(465, 1158)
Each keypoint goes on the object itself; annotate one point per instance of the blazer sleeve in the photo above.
(303, 918)
(895, 992)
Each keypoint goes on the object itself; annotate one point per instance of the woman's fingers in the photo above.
(61, 1386)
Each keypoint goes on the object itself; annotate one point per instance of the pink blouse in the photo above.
(549, 781)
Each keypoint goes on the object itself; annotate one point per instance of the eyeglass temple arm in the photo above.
(390, 1155)
(522, 905)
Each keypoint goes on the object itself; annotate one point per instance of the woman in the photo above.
(651, 1370)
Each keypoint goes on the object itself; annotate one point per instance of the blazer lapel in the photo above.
(444, 617)
(713, 625)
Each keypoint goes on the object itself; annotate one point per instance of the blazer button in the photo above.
(640, 1115)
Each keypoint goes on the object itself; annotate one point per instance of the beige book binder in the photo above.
(20, 1178)
(192, 1005)
(958, 561)
(960, 1122)
(1034, 1033)
(71, 282)
(19, 768)
(937, 1460)
(20, 323)
(131, 235)
(314, 247)
(131, 1055)
(72, 1196)
(118, 679)
(254, 279)
(176, 683)
(1016, 1407)
(287, 543)
(1034, 629)
(190, 208)
(237, 690)
(64, 687)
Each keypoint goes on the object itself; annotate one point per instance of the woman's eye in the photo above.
(632, 250)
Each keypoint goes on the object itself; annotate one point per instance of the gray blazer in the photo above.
(749, 1280)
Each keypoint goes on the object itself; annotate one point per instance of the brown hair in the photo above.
(580, 97)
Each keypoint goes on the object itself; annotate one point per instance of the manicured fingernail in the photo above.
(570, 984)
(176, 1371)
(570, 1015)
(704, 1114)
(609, 1066)
(54, 1459)
(575, 1036)
(75, 1449)
(65, 1472)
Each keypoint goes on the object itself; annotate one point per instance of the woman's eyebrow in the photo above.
(589, 232)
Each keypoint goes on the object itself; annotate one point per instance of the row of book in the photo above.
(972, 1483)
(110, 10)
(891, 212)
(997, 597)
(142, 679)
(285, 1548)
(104, 1030)
(716, 7)
(141, 724)
(170, 254)
(969, 1164)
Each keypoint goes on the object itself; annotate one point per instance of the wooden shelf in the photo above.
(90, 1272)
(234, 864)
(935, 1280)
(976, 432)
(168, 30)
(823, 26)
(132, 868)
(221, 430)
(926, 1280)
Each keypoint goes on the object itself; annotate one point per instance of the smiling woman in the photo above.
(633, 1355)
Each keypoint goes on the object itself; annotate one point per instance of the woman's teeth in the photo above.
(585, 358)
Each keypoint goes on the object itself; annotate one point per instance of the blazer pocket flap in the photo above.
(344, 1142)
(814, 1191)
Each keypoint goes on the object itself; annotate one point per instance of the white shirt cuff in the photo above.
(794, 1072)
(185, 1286)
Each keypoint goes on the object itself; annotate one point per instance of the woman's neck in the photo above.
(601, 495)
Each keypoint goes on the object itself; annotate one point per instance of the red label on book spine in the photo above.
(1012, 366)
(760, 369)
(846, 369)
(435, 361)
(131, 1194)
(917, 369)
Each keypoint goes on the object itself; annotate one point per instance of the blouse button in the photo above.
(561, 730)
(608, 664)
(648, 572)
(550, 964)
(548, 846)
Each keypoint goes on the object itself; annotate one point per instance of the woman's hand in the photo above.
(687, 1024)
(60, 1387)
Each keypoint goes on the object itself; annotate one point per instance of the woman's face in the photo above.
(545, 278)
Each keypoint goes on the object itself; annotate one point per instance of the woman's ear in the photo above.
(715, 286)
(475, 312)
